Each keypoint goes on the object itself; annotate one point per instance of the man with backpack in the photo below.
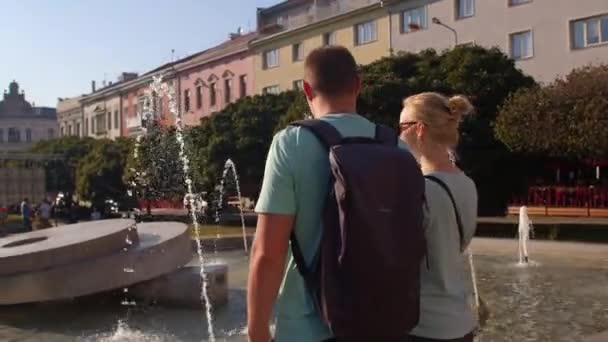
(339, 239)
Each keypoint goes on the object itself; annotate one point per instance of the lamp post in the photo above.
(436, 21)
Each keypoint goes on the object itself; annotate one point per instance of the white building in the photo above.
(21, 124)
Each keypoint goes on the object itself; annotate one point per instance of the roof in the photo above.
(234, 45)
(324, 21)
(231, 46)
(14, 105)
(282, 6)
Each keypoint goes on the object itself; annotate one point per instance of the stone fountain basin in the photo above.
(163, 248)
(43, 249)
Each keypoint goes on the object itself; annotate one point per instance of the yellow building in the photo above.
(362, 26)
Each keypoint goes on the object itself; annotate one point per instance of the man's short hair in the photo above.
(331, 70)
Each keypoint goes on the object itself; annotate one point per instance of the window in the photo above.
(51, 133)
(297, 52)
(414, 19)
(199, 96)
(271, 90)
(522, 45)
(109, 121)
(329, 38)
(465, 8)
(187, 100)
(100, 123)
(78, 129)
(62, 130)
(116, 120)
(271, 59)
(1, 135)
(590, 31)
(14, 136)
(69, 130)
(243, 85)
(227, 90)
(298, 85)
(92, 126)
(212, 95)
(365, 33)
(518, 2)
(28, 134)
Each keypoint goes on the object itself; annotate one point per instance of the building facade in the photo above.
(134, 98)
(102, 109)
(70, 117)
(102, 114)
(21, 124)
(215, 78)
(547, 38)
(294, 28)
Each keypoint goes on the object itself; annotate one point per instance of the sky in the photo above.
(55, 48)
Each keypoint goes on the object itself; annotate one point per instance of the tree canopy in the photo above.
(99, 173)
(566, 118)
(61, 174)
(242, 132)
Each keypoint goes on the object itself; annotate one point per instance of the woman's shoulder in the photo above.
(460, 185)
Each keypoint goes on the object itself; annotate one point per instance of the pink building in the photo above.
(133, 97)
(211, 79)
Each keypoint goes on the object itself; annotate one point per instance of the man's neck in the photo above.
(336, 110)
(336, 106)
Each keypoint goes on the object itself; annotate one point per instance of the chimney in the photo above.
(92, 86)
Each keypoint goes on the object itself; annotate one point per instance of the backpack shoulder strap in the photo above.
(386, 135)
(458, 220)
(323, 130)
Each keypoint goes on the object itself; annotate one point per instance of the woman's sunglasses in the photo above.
(405, 125)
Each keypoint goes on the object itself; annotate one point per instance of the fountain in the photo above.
(230, 166)
(524, 229)
(81, 259)
(157, 90)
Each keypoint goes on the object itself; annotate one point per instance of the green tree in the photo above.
(242, 132)
(157, 171)
(61, 174)
(566, 119)
(298, 110)
(99, 175)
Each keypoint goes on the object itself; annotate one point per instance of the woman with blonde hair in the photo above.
(429, 124)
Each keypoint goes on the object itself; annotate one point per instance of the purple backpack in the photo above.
(365, 278)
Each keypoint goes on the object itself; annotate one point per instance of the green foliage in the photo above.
(567, 118)
(99, 173)
(61, 174)
(157, 172)
(298, 110)
(241, 132)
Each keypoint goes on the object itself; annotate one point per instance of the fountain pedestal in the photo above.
(183, 287)
(87, 258)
